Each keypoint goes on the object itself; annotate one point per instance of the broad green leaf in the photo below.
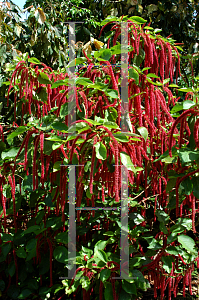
(101, 255)
(111, 93)
(130, 288)
(187, 242)
(24, 294)
(5, 237)
(54, 138)
(59, 83)
(138, 20)
(137, 218)
(21, 252)
(105, 274)
(126, 161)
(77, 61)
(43, 78)
(56, 146)
(78, 126)
(34, 60)
(62, 237)
(100, 245)
(61, 254)
(17, 132)
(32, 229)
(111, 125)
(188, 104)
(162, 216)
(121, 137)
(5, 248)
(31, 244)
(59, 126)
(167, 263)
(165, 81)
(101, 152)
(187, 155)
(154, 244)
(185, 90)
(108, 292)
(144, 132)
(11, 268)
(105, 55)
(187, 185)
(152, 75)
(176, 108)
(11, 153)
(195, 182)
(172, 250)
(134, 74)
(173, 85)
(83, 81)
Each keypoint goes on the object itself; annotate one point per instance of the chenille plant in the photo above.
(159, 149)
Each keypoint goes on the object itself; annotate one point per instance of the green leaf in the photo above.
(162, 216)
(11, 153)
(34, 60)
(130, 288)
(101, 255)
(21, 252)
(17, 132)
(31, 244)
(173, 85)
(105, 274)
(111, 93)
(77, 61)
(172, 250)
(60, 127)
(24, 294)
(188, 104)
(177, 108)
(43, 78)
(187, 242)
(187, 185)
(100, 245)
(66, 109)
(81, 126)
(2, 285)
(121, 137)
(165, 81)
(195, 181)
(152, 75)
(167, 263)
(105, 55)
(108, 292)
(59, 83)
(83, 81)
(5, 237)
(6, 248)
(144, 132)
(42, 95)
(11, 268)
(155, 245)
(27, 183)
(62, 237)
(138, 20)
(101, 152)
(32, 229)
(187, 155)
(185, 90)
(135, 75)
(110, 125)
(61, 254)
(126, 161)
